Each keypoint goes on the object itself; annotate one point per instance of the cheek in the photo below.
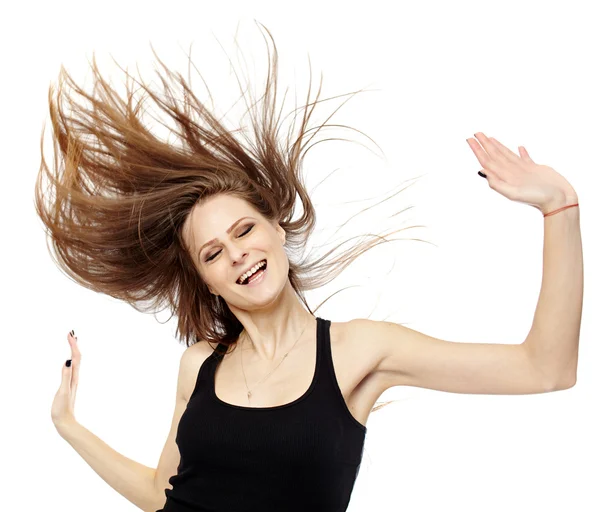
(207, 277)
(218, 274)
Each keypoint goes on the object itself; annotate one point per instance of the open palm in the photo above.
(63, 406)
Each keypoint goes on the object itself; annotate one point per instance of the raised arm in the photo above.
(547, 359)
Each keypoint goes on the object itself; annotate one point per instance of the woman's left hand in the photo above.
(519, 178)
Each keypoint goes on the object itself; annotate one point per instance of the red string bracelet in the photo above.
(561, 209)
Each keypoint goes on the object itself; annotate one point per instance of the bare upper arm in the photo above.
(410, 358)
(189, 365)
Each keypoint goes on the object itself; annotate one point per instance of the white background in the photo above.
(524, 72)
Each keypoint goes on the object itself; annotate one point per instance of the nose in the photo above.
(238, 256)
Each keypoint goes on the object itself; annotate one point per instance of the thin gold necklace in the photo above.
(242, 362)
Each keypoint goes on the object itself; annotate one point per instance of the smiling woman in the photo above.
(272, 401)
(206, 228)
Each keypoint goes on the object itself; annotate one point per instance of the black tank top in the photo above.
(301, 456)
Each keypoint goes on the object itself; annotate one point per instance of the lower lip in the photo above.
(259, 279)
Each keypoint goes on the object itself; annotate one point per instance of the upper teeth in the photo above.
(255, 268)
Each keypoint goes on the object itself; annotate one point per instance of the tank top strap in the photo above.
(206, 373)
(325, 371)
(213, 361)
(329, 391)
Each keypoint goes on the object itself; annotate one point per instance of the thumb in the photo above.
(525, 155)
(65, 384)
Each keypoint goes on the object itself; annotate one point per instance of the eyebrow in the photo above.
(210, 242)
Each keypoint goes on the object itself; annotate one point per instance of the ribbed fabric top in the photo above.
(298, 457)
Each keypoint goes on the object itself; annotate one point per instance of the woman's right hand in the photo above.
(63, 405)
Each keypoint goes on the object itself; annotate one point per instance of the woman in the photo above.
(273, 417)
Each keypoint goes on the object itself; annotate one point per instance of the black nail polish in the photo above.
(482, 175)
(68, 363)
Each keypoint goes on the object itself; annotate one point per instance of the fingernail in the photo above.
(68, 363)
(482, 175)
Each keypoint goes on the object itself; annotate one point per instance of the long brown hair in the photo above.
(120, 195)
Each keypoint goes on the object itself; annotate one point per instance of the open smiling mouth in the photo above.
(256, 276)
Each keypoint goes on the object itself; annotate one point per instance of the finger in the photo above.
(74, 347)
(489, 147)
(480, 154)
(65, 383)
(75, 363)
(504, 150)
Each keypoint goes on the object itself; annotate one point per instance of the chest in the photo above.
(273, 385)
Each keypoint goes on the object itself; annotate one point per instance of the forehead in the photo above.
(211, 217)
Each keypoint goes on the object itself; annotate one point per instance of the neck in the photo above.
(270, 332)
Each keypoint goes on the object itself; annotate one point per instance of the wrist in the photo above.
(561, 200)
(65, 427)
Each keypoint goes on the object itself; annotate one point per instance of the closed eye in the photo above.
(242, 234)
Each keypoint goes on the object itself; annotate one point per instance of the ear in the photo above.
(281, 233)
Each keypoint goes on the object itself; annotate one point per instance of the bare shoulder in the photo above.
(363, 335)
(339, 331)
(353, 347)
(343, 338)
(191, 361)
(348, 337)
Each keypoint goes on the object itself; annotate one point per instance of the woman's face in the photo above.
(222, 256)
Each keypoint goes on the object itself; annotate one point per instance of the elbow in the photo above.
(566, 382)
(157, 503)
